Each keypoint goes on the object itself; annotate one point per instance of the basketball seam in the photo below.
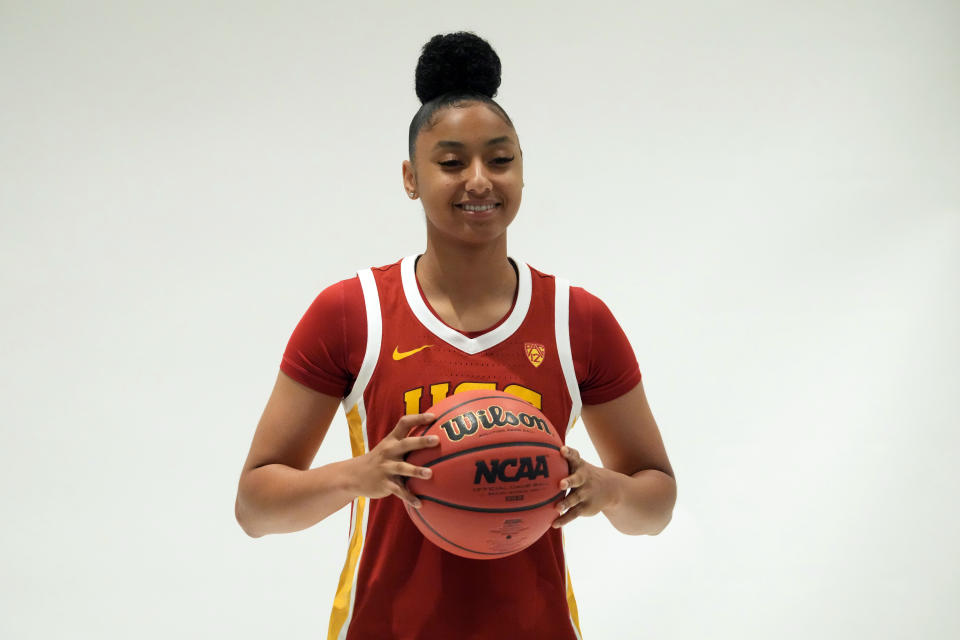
(451, 542)
(490, 446)
(491, 510)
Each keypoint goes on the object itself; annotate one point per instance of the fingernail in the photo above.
(433, 439)
(563, 484)
(426, 473)
(564, 450)
(416, 504)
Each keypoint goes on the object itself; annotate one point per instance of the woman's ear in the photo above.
(409, 179)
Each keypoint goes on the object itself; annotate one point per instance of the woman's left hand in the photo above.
(593, 488)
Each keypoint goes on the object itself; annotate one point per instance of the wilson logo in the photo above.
(511, 469)
(467, 424)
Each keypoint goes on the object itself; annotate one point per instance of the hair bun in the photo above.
(461, 62)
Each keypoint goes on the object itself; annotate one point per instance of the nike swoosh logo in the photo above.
(397, 355)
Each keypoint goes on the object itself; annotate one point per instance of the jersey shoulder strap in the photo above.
(561, 300)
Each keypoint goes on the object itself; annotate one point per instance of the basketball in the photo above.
(496, 475)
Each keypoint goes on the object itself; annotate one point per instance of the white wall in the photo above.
(766, 195)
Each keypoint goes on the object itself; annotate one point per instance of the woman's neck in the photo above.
(471, 287)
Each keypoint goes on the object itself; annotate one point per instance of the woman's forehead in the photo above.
(472, 125)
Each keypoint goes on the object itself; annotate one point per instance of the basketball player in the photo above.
(392, 341)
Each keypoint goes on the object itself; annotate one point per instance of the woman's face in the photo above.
(468, 172)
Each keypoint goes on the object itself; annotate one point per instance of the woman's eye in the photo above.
(501, 160)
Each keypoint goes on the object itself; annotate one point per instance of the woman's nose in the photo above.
(477, 180)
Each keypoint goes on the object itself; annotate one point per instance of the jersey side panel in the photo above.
(355, 409)
(565, 355)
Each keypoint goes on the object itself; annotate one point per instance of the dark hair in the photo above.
(454, 69)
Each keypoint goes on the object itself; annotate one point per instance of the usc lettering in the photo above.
(412, 399)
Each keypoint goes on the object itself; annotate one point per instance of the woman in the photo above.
(392, 341)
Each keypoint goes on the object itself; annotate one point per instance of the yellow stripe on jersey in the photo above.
(572, 604)
(341, 601)
(571, 599)
(355, 423)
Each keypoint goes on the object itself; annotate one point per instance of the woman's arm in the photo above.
(635, 488)
(277, 493)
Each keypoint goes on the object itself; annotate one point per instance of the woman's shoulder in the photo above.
(392, 266)
(581, 300)
(334, 297)
(350, 290)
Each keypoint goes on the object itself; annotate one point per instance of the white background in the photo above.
(767, 195)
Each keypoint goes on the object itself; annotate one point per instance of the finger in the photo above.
(411, 443)
(572, 456)
(408, 470)
(404, 494)
(407, 423)
(566, 518)
(573, 499)
(573, 481)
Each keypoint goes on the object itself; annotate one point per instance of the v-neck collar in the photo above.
(453, 337)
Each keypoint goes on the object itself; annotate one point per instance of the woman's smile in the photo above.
(479, 212)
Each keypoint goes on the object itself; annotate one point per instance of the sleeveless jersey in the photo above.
(395, 584)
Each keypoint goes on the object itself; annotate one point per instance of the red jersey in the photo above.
(374, 341)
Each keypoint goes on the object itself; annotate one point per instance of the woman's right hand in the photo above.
(383, 469)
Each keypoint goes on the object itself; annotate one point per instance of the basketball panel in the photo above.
(511, 477)
(480, 535)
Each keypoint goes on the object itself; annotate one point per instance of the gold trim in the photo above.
(341, 601)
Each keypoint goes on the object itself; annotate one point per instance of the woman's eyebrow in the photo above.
(459, 145)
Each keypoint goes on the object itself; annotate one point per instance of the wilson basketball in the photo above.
(496, 475)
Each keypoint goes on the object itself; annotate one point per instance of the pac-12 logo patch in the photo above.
(535, 353)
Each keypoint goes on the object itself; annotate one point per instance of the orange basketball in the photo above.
(496, 475)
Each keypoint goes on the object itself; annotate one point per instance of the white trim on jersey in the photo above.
(561, 318)
(371, 300)
(451, 336)
(371, 355)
